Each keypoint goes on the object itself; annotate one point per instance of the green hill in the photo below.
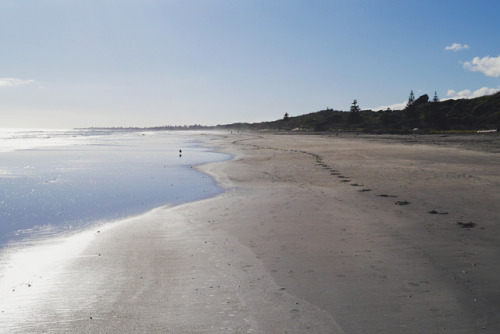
(481, 113)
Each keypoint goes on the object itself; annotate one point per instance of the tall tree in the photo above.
(411, 99)
(436, 98)
(355, 107)
(355, 115)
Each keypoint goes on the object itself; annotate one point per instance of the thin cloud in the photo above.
(456, 47)
(396, 106)
(11, 82)
(451, 95)
(489, 66)
(468, 94)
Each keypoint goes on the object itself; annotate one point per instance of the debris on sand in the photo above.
(466, 225)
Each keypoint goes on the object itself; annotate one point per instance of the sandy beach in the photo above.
(314, 234)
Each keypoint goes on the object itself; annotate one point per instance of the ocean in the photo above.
(62, 181)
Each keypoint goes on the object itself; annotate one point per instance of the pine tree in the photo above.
(411, 99)
(355, 107)
(286, 117)
(355, 114)
(436, 98)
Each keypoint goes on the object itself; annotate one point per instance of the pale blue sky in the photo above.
(78, 63)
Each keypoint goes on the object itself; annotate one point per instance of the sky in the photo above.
(84, 63)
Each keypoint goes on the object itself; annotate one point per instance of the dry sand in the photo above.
(314, 234)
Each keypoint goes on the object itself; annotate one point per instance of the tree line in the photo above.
(420, 114)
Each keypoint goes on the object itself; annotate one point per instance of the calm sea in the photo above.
(55, 181)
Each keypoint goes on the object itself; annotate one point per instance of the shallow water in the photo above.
(59, 189)
(52, 181)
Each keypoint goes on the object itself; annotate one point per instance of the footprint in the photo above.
(434, 212)
(466, 225)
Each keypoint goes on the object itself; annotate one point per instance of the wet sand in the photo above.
(315, 234)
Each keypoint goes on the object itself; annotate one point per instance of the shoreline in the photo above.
(103, 178)
(290, 247)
